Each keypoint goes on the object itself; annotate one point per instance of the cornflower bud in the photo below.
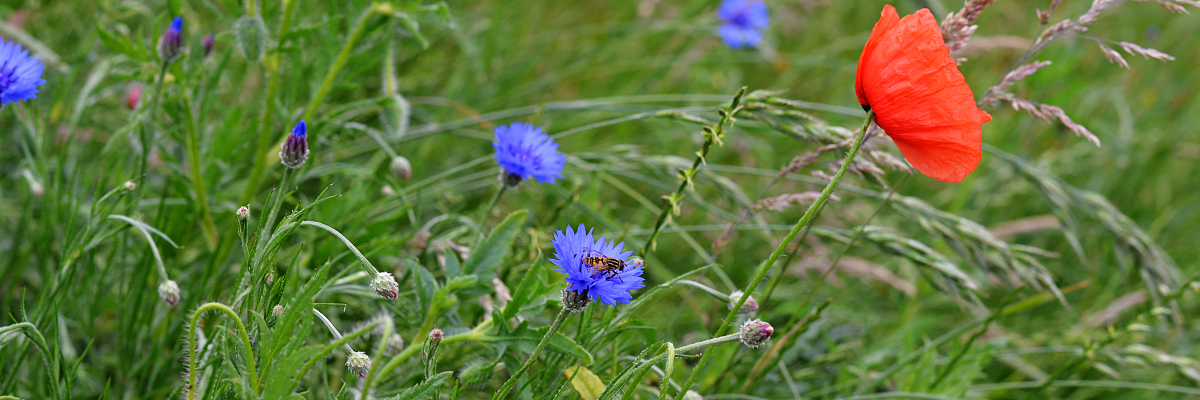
(129, 185)
(243, 212)
(387, 191)
(277, 310)
(575, 301)
(171, 42)
(385, 284)
(169, 292)
(755, 333)
(436, 336)
(358, 363)
(295, 150)
(208, 44)
(401, 167)
(750, 306)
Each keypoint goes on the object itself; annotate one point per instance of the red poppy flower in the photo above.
(920, 99)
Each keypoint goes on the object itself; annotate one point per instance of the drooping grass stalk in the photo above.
(766, 266)
(712, 134)
(333, 331)
(512, 380)
(241, 331)
(39, 341)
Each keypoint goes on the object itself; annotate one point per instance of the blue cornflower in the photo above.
(572, 246)
(294, 152)
(171, 42)
(744, 19)
(524, 152)
(20, 74)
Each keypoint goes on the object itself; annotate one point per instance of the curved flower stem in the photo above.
(712, 135)
(39, 341)
(705, 288)
(766, 266)
(366, 264)
(512, 380)
(241, 330)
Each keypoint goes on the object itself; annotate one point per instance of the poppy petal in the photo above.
(906, 75)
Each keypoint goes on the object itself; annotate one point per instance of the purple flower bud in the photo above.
(169, 292)
(436, 335)
(171, 42)
(295, 150)
(359, 363)
(755, 332)
(385, 284)
(243, 212)
(750, 306)
(208, 43)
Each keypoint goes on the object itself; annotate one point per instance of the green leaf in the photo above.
(425, 388)
(453, 266)
(587, 384)
(121, 44)
(425, 286)
(490, 253)
(565, 345)
(525, 290)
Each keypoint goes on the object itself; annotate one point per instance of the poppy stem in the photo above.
(766, 266)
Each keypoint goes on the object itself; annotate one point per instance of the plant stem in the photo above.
(268, 116)
(512, 380)
(241, 331)
(473, 335)
(487, 212)
(766, 266)
(272, 210)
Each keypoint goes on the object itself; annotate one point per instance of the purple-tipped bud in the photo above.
(401, 167)
(385, 284)
(436, 336)
(277, 311)
(171, 42)
(575, 301)
(755, 332)
(750, 306)
(208, 43)
(129, 186)
(243, 212)
(169, 292)
(295, 150)
(359, 363)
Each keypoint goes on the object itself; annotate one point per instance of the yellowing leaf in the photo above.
(585, 382)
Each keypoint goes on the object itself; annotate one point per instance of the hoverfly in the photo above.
(604, 265)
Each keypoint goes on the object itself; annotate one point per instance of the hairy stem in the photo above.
(512, 380)
(241, 331)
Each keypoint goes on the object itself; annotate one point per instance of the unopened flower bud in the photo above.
(251, 37)
(436, 336)
(171, 42)
(575, 301)
(277, 311)
(169, 292)
(401, 167)
(750, 306)
(295, 150)
(243, 212)
(755, 333)
(133, 96)
(208, 44)
(129, 185)
(358, 363)
(270, 278)
(385, 284)
(387, 191)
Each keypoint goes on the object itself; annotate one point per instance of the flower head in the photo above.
(755, 333)
(575, 301)
(524, 152)
(571, 246)
(906, 75)
(436, 335)
(171, 42)
(295, 150)
(243, 212)
(744, 21)
(750, 306)
(358, 363)
(169, 292)
(385, 284)
(20, 74)
(208, 43)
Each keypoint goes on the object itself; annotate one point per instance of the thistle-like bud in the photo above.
(385, 284)
(750, 306)
(436, 336)
(171, 42)
(295, 150)
(575, 301)
(129, 186)
(692, 395)
(277, 311)
(169, 292)
(133, 96)
(401, 167)
(358, 363)
(243, 212)
(755, 333)
(208, 43)
(251, 37)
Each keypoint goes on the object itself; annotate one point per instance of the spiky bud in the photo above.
(385, 284)
(750, 306)
(575, 301)
(401, 167)
(295, 150)
(755, 333)
(243, 212)
(208, 44)
(436, 336)
(129, 186)
(169, 292)
(277, 310)
(358, 363)
(171, 42)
